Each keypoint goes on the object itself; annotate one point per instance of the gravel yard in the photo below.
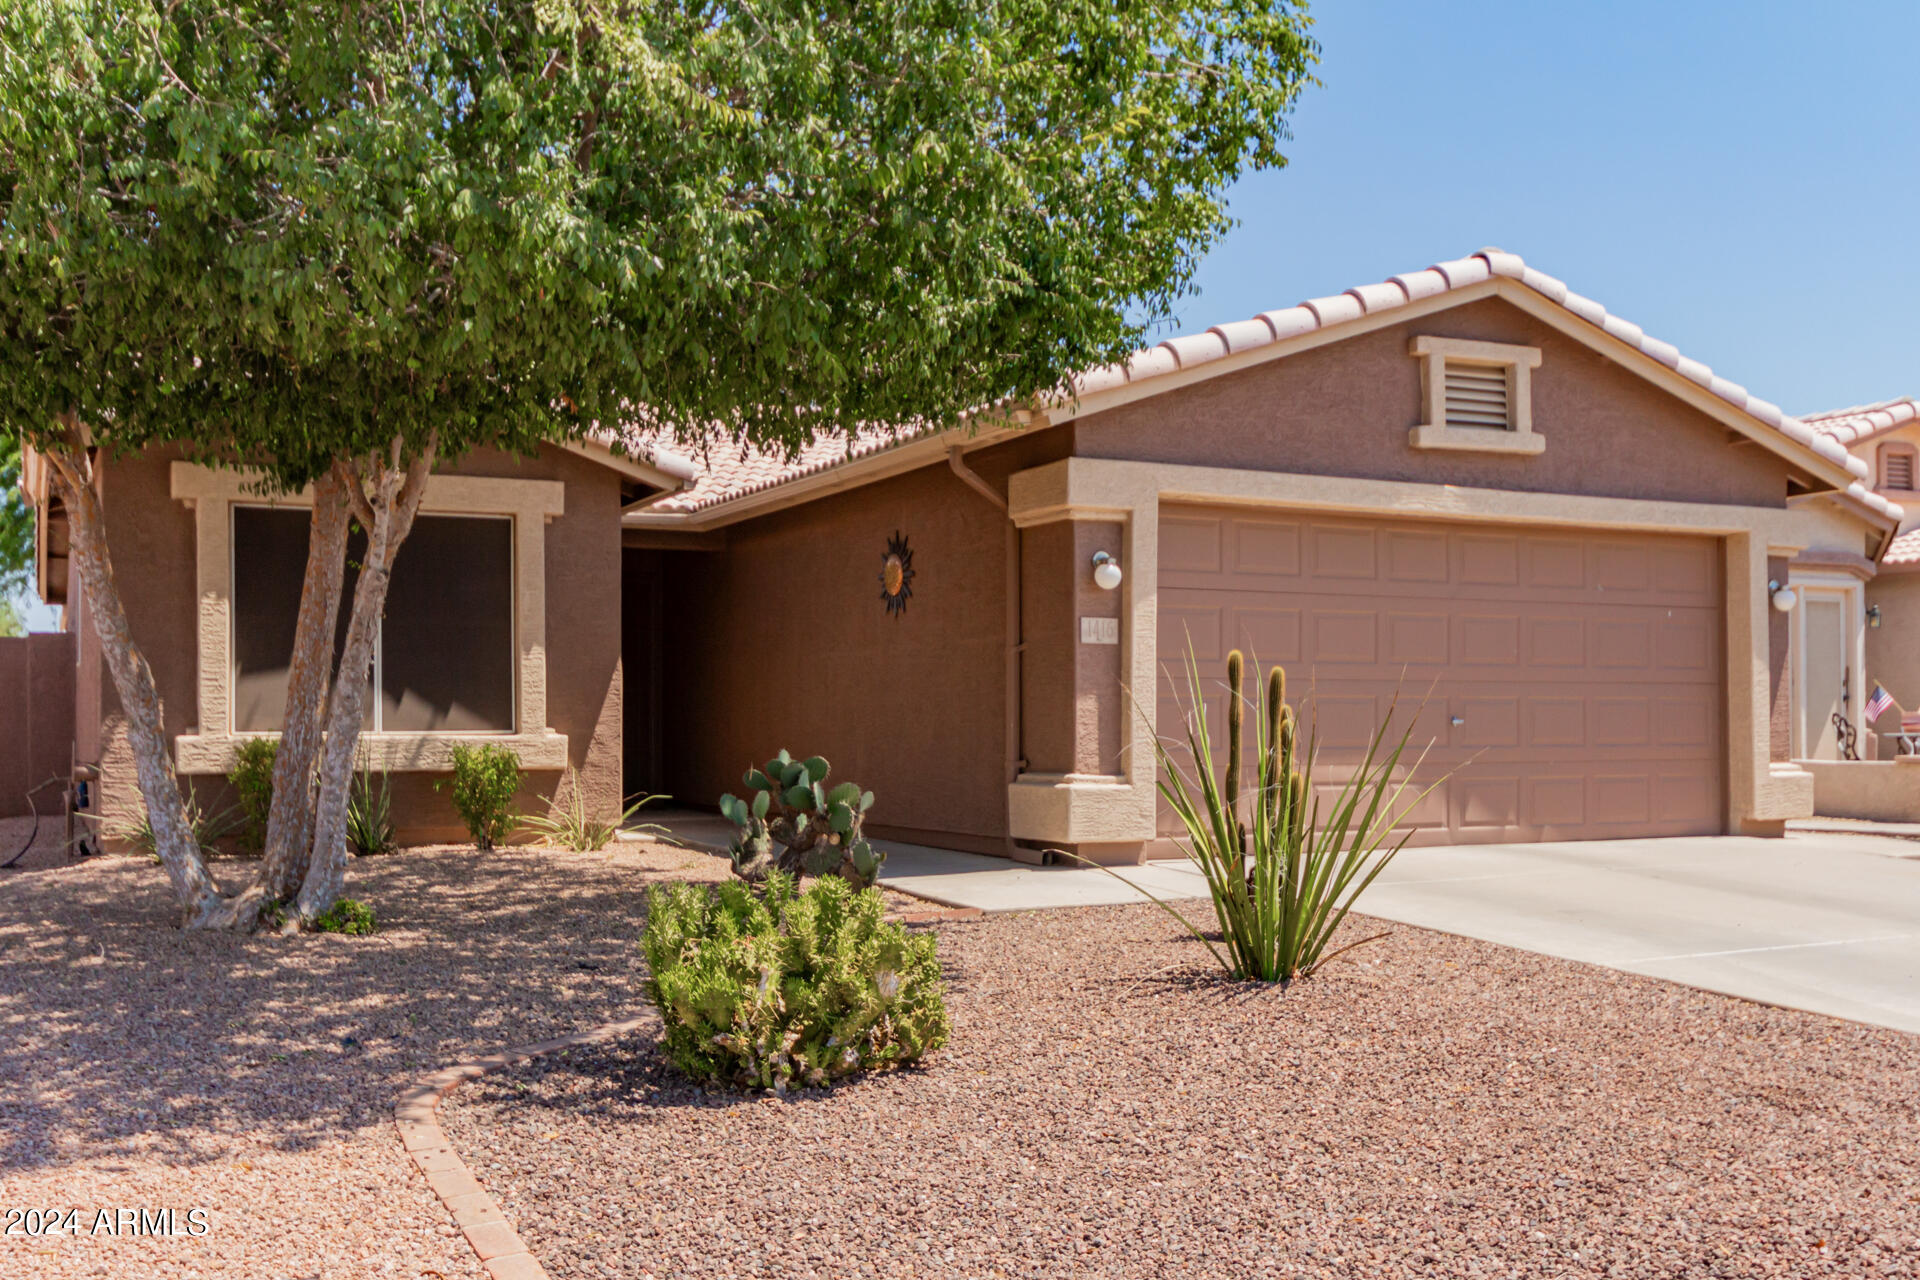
(255, 1077)
(1109, 1108)
(1446, 1108)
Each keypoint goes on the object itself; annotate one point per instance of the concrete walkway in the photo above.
(1818, 921)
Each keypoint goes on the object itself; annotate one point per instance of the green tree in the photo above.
(16, 527)
(340, 242)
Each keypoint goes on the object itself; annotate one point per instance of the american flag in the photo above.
(1878, 703)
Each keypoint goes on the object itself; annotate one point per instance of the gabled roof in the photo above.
(1864, 422)
(734, 472)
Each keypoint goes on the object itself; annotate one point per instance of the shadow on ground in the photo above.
(125, 1036)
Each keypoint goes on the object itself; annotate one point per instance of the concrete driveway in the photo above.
(1829, 923)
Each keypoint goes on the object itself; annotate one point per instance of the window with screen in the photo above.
(445, 657)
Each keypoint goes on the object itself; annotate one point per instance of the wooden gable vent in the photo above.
(1477, 396)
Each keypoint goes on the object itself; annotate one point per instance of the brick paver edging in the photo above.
(500, 1249)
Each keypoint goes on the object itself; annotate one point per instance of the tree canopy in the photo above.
(284, 231)
(337, 240)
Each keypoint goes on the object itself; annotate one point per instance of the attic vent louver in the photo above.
(1897, 468)
(1477, 396)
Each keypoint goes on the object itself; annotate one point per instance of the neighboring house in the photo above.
(1465, 480)
(1865, 618)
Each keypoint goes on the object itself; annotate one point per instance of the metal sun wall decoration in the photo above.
(896, 574)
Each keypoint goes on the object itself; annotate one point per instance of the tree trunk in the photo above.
(309, 676)
(387, 513)
(201, 905)
(289, 842)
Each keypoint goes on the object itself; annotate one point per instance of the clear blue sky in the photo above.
(1742, 180)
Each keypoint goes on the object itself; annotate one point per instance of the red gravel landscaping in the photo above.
(141, 1067)
(1442, 1107)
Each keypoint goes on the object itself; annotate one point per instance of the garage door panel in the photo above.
(1415, 639)
(1556, 801)
(1683, 643)
(1268, 548)
(1201, 627)
(1489, 560)
(1586, 670)
(1556, 563)
(1343, 636)
(1557, 641)
(1268, 636)
(1621, 643)
(1487, 639)
(1415, 557)
(1344, 551)
(1684, 721)
(1191, 544)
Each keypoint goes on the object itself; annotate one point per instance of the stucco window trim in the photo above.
(1517, 362)
(212, 494)
(1849, 589)
(1122, 809)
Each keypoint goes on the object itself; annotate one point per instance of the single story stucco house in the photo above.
(1465, 479)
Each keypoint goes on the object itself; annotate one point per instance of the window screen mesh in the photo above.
(446, 650)
(446, 656)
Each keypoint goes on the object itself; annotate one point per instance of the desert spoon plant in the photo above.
(1283, 865)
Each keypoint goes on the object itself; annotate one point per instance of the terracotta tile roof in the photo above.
(733, 471)
(1864, 422)
(1904, 549)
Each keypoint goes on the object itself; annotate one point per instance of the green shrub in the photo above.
(370, 814)
(1285, 869)
(346, 916)
(788, 988)
(566, 824)
(817, 829)
(206, 826)
(484, 780)
(252, 780)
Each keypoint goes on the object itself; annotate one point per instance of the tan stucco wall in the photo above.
(1873, 790)
(151, 538)
(1345, 409)
(1893, 647)
(781, 640)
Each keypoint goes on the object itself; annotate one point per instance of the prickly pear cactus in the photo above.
(792, 821)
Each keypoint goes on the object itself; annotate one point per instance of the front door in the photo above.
(1826, 672)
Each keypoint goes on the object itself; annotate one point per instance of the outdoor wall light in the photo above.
(1106, 571)
(1784, 598)
(1873, 616)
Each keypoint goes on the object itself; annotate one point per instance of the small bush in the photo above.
(788, 988)
(252, 780)
(370, 814)
(484, 780)
(567, 824)
(346, 916)
(206, 826)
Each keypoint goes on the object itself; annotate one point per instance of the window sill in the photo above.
(1477, 440)
(209, 753)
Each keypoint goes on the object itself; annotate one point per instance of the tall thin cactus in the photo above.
(1285, 867)
(1236, 718)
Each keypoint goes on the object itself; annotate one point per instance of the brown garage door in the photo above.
(1576, 678)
